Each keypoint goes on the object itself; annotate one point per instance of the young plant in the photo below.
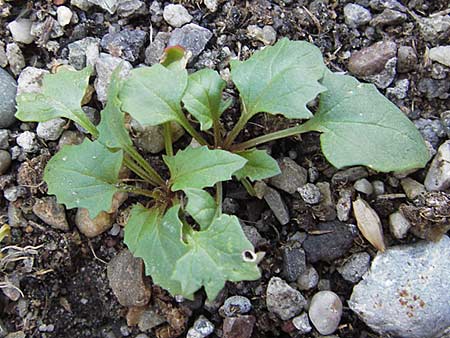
(359, 126)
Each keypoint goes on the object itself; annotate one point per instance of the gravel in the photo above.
(355, 267)
(438, 176)
(292, 176)
(92, 227)
(283, 300)
(191, 37)
(440, 54)
(294, 261)
(236, 305)
(52, 129)
(127, 44)
(176, 15)
(21, 30)
(51, 213)
(403, 293)
(373, 59)
(356, 15)
(8, 88)
(398, 224)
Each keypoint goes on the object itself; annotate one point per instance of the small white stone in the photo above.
(176, 15)
(301, 323)
(412, 188)
(211, 5)
(364, 186)
(21, 30)
(27, 141)
(30, 80)
(399, 225)
(64, 15)
(440, 54)
(325, 312)
(51, 130)
(438, 176)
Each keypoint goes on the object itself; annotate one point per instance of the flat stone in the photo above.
(52, 129)
(283, 300)
(325, 311)
(126, 44)
(191, 37)
(292, 176)
(355, 267)
(8, 89)
(51, 213)
(438, 176)
(125, 275)
(372, 60)
(238, 327)
(404, 293)
(412, 188)
(176, 15)
(277, 205)
(349, 175)
(333, 243)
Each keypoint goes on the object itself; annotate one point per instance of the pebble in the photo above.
(4, 138)
(8, 88)
(388, 17)
(104, 67)
(440, 54)
(151, 138)
(52, 129)
(356, 15)
(84, 5)
(433, 89)
(292, 176)
(390, 4)
(325, 311)
(384, 78)
(253, 236)
(277, 205)
(445, 120)
(355, 267)
(14, 192)
(30, 80)
(435, 29)
(398, 225)
(15, 58)
(267, 35)
(406, 59)
(283, 300)
(203, 326)
(336, 240)
(155, 50)
(326, 209)
(27, 141)
(3, 57)
(21, 30)
(107, 5)
(92, 227)
(51, 213)
(70, 137)
(372, 60)
(64, 15)
(211, 5)
(84, 52)
(438, 176)
(294, 261)
(5, 161)
(308, 279)
(125, 275)
(364, 186)
(344, 205)
(399, 91)
(48, 27)
(17, 334)
(301, 323)
(126, 44)
(236, 305)
(378, 187)
(191, 37)
(131, 8)
(148, 319)
(176, 15)
(412, 188)
(238, 327)
(310, 193)
(403, 294)
(432, 130)
(349, 175)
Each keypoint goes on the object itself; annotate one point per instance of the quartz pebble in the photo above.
(51, 130)
(27, 141)
(301, 323)
(364, 186)
(308, 279)
(310, 193)
(21, 30)
(399, 224)
(325, 311)
(64, 15)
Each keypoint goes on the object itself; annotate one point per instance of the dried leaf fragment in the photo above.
(369, 223)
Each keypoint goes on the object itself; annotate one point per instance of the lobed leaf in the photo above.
(61, 96)
(157, 239)
(215, 256)
(201, 206)
(112, 131)
(201, 167)
(280, 79)
(362, 127)
(152, 95)
(84, 176)
(259, 166)
(203, 97)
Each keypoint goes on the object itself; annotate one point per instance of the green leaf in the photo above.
(203, 97)
(215, 256)
(361, 127)
(61, 96)
(280, 79)
(174, 57)
(201, 206)
(152, 95)
(112, 131)
(259, 166)
(201, 167)
(157, 239)
(84, 176)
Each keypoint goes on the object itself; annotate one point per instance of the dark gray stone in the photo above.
(406, 59)
(8, 89)
(294, 261)
(283, 300)
(292, 176)
(192, 37)
(126, 44)
(276, 204)
(333, 243)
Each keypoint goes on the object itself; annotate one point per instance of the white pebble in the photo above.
(64, 15)
(21, 30)
(325, 312)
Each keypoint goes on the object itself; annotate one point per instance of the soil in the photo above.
(66, 284)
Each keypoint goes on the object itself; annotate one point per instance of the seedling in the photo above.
(359, 126)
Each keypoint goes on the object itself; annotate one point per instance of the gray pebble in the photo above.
(14, 192)
(8, 88)
(406, 59)
(310, 193)
(432, 130)
(236, 305)
(349, 175)
(131, 8)
(277, 205)
(308, 279)
(27, 141)
(398, 224)
(294, 261)
(110, 5)
(356, 15)
(192, 37)
(51, 130)
(30, 80)
(15, 58)
(21, 30)
(388, 17)
(203, 326)
(355, 267)
(412, 188)
(4, 138)
(155, 50)
(126, 44)
(325, 311)
(364, 186)
(378, 187)
(399, 91)
(435, 29)
(84, 52)
(283, 300)
(301, 323)
(5, 161)
(292, 176)
(445, 120)
(176, 15)
(3, 57)
(438, 176)
(266, 35)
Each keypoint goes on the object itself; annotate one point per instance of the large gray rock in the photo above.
(405, 293)
(8, 88)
